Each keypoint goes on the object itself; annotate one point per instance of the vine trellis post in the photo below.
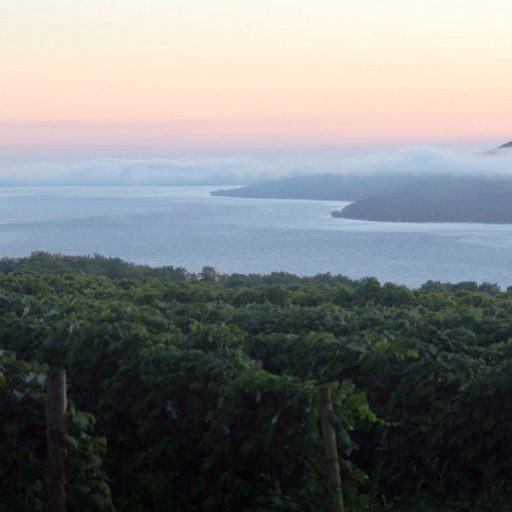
(330, 449)
(56, 405)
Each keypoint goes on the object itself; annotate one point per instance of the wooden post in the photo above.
(331, 450)
(55, 429)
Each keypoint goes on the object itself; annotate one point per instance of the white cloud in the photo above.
(116, 171)
(249, 169)
(428, 160)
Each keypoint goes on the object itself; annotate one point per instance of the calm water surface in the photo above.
(184, 226)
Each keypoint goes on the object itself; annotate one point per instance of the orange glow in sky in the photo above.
(200, 73)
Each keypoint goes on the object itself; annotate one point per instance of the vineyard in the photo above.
(199, 392)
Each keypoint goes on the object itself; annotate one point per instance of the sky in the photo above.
(134, 78)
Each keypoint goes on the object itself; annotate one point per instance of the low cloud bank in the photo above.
(240, 170)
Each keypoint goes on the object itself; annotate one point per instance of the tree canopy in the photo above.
(199, 391)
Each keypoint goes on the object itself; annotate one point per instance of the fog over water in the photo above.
(253, 168)
(184, 226)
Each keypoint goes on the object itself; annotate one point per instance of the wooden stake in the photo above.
(55, 429)
(331, 450)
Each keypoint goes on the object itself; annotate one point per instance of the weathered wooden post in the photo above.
(55, 429)
(330, 449)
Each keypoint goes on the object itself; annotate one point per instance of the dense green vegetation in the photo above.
(199, 392)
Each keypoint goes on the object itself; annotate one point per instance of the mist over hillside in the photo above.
(501, 150)
(365, 175)
(479, 197)
(265, 171)
(411, 186)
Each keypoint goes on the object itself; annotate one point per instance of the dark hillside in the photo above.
(439, 199)
(328, 187)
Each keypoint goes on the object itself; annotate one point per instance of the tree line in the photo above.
(199, 391)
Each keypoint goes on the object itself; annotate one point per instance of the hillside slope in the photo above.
(328, 187)
(439, 199)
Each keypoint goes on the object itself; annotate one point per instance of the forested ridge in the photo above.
(198, 392)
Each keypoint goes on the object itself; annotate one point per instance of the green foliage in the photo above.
(205, 388)
(22, 434)
(23, 445)
(113, 268)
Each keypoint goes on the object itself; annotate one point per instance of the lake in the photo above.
(185, 226)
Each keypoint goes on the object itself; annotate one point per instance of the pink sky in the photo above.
(120, 77)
